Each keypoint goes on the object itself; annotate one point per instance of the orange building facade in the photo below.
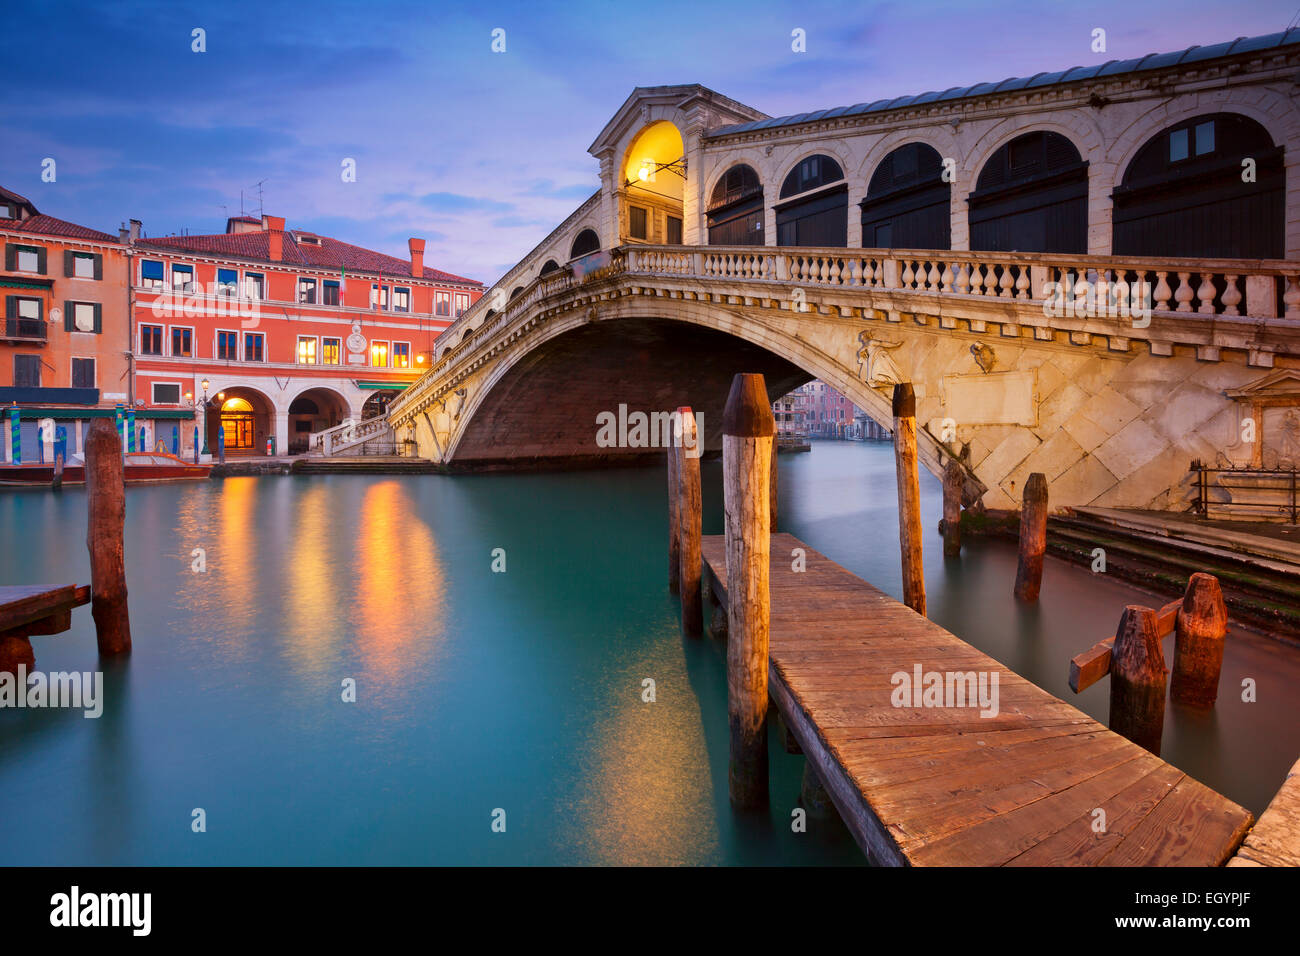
(292, 332)
(65, 348)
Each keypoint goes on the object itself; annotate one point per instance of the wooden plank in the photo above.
(1275, 839)
(942, 785)
(21, 605)
(1094, 663)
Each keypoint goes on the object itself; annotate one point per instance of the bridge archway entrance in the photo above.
(907, 204)
(1031, 196)
(652, 186)
(814, 205)
(736, 208)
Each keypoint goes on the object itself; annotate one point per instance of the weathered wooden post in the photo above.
(954, 479)
(1033, 538)
(1198, 643)
(674, 515)
(747, 438)
(909, 497)
(717, 617)
(57, 481)
(688, 517)
(1137, 679)
(772, 491)
(106, 504)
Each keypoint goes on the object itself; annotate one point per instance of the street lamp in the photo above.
(205, 383)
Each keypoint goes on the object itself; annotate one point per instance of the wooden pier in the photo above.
(1040, 783)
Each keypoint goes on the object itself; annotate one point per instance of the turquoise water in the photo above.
(475, 690)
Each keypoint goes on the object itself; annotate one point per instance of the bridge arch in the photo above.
(584, 243)
(908, 201)
(1031, 195)
(652, 184)
(548, 267)
(634, 327)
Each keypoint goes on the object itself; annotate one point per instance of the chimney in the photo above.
(121, 233)
(134, 232)
(275, 236)
(417, 257)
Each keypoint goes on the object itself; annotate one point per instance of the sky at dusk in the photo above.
(481, 153)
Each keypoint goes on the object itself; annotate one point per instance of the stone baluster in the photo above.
(1120, 293)
(963, 277)
(1206, 293)
(908, 274)
(976, 279)
(1291, 297)
(878, 275)
(1022, 283)
(1005, 283)
(1163, 292)
(1183, 296)
(932, 278)
(1231, 296)
(949, 273)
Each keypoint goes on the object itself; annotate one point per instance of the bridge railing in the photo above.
(1231, 294)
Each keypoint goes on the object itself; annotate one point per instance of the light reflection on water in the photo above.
(478, 690)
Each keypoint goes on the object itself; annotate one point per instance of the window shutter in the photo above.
(69, 263)
(99, 317)
(40, 260)
(11, 307)
(11, 257)
(68, 312)
(99, 266)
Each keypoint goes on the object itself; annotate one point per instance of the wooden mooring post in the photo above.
(674, 519)
(106, 505)
(748, 431)
(772, 497)
(688, 519)
(1033, 538)
(1198, 643)
(954, 479)
(1137, 679)
(909, 497)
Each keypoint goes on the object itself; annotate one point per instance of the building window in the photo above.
(329, 351)
(27, 259)
(27, 371)
(254, 285)
(306, 350)
(228, 346)
(83, 265)
(227, 281)
(331, 293)
(166, 393)
(674, 236)
(182, 343)
(28, 308)
(307, 291)
(401, 355)
(151, 340)
(379, 354)
(401, 300)
(637, 222)
(462, 303)
(253, 346)
(83, 373)
(151, 275)
(85, 317)
(182, 278)
(1205, 138)
(442, 303)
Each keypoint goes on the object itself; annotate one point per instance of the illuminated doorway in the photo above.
(239, 424)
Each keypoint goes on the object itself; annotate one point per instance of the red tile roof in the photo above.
(49, 226)
(331, 255)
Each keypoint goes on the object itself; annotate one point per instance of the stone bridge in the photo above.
(1106, 354)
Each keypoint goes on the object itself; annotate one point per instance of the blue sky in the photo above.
(482, 153)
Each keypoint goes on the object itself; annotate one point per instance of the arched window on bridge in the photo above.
(814, 206)
(907, 201)
(551, 266)
(585, 243)
(515, 291)
(1185, 193)
(736, 209)
(1031, 196)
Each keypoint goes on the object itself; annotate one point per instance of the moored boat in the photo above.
(137, 466)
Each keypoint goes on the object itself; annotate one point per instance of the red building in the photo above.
(292, 332)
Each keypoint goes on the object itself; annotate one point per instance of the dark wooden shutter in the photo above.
(11, 257)
(69, 309)
(99, 266)
(40, 259)
(99, 317)
(69, 263)
(11, 307)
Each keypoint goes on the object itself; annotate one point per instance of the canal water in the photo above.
(480, 691)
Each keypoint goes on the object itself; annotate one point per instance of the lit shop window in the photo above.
(379, 354)
(306, 350)
(329, 351)
(401, 355)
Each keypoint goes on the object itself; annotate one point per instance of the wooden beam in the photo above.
(1094, 664)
